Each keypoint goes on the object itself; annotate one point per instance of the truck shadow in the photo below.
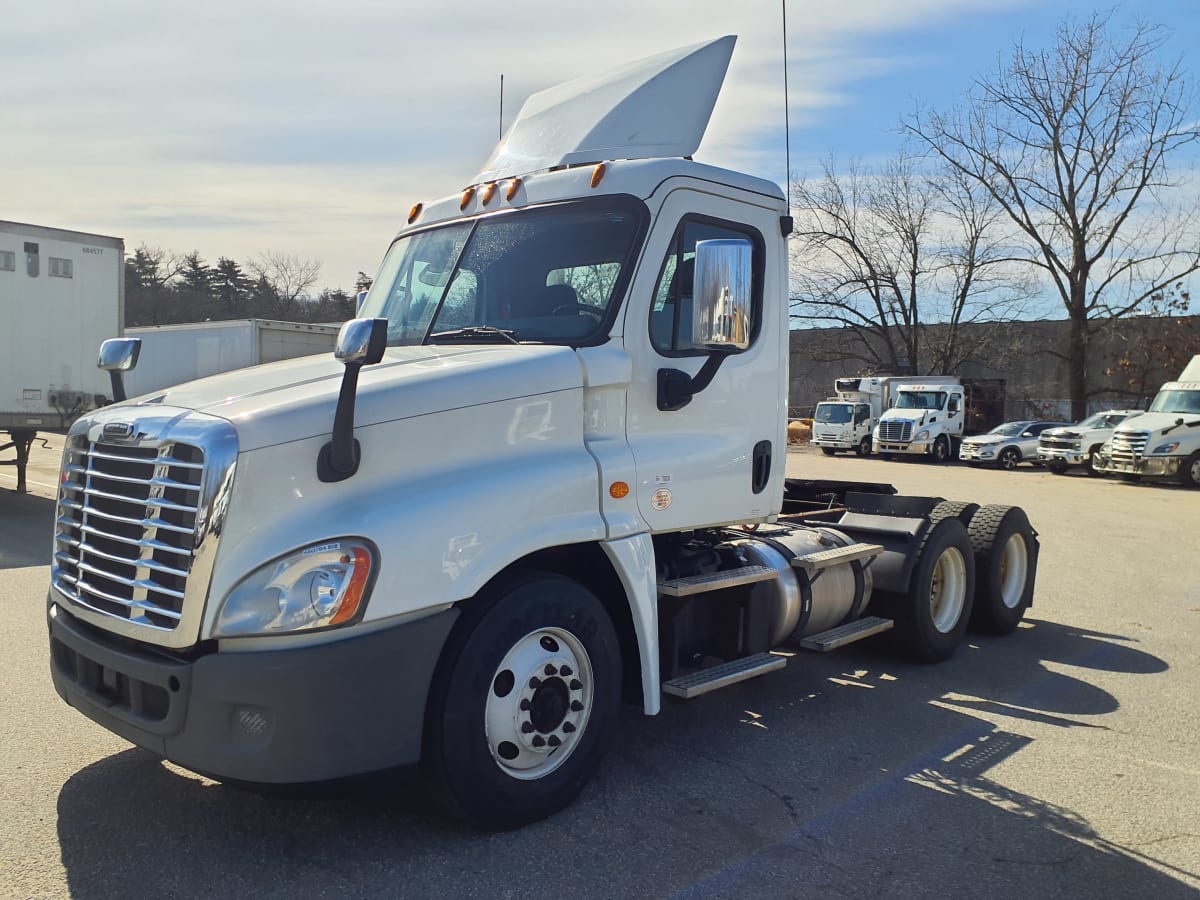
(855, 774)
(26, 530)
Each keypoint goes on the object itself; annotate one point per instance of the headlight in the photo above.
(1167, 448)
(321, 586)
(921, 435)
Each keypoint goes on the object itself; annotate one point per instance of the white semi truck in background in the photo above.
(61, 294)
(542, 474)
(847, 420)
(926, 418)
(1164, 442)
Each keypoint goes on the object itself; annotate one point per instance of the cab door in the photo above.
(718, 458)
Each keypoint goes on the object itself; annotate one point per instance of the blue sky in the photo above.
(310, 128)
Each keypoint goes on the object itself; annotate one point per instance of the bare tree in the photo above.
(1073, 143)
(904, 262)
(286, 280)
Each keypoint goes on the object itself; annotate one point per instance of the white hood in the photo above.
(916, 416)
(295, 399)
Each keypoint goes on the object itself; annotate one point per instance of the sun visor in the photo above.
(653, 108)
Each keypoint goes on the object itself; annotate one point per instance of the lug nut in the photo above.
(576, 706)
(568, 728)
(554, 741)
(550, 670)
(576, 684)
(538, 741)
(535, 682)
(526, 728)
(526, 705)
(565, 671)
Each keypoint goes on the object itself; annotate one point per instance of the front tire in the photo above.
(864, 447)
(1189, 474)
(1090, 463)
(941, 449)
(523, 702)
(1005, 548)
(828, 451)
(1010, 458)
(1057, 467)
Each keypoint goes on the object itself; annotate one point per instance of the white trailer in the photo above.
(173, 354)
(61, 293)
(543, 474)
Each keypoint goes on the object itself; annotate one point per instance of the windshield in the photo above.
(552, 274)
(1008, 429)
(1176, 402)
(921, 400)
(833, 413)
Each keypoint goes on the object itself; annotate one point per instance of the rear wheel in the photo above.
(932, 617)
(1005, 548)
(522, 706)
(1010, 458)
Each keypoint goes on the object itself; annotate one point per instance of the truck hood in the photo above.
(295, 399)
(916, 416)
(1157, 423)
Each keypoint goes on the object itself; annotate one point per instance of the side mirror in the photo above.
(723, 294)
(360, 342)
(119, 355)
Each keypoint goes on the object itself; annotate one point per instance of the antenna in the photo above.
(787, 133)
(501, 106)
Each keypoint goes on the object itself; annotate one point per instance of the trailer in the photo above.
(173, 354)
(61, 294)
(541, 475)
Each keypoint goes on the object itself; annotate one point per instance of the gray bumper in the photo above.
(280, 716)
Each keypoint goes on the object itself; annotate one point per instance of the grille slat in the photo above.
(1130, 445)
(126, 529)
(895, 431)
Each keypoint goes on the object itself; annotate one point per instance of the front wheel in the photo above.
(1058, 467)
(1090, 464)
(864, 447)
(941, 450)
(828, 451)
(1189, 474)
(523, 702)
(1010, 458)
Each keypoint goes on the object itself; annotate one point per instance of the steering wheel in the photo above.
(576, 308)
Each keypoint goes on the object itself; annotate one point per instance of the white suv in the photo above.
(1076, 445)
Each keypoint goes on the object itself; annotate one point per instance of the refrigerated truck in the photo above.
(61, 294)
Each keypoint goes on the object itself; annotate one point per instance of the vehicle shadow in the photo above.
(26, 530)
(854, 774)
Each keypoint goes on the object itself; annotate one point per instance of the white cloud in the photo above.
(310, 128)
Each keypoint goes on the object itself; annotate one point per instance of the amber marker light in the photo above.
(466, 197)
(488, 193)
(414, 212)
(354, 590)
(598, 174)
(618, 489)
(513, 187)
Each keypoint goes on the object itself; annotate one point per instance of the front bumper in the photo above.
(973, 454)
(1149, 467)
(293, 715)
(832, 443)
(916, 448)
(1069, 457)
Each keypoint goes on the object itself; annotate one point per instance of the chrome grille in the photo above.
(1130, 445)
(895, 431)
(1058, 443)
(126, 528)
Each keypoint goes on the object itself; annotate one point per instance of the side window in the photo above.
(8, 261)
(862, 412)
(671, 312)
(952, 406)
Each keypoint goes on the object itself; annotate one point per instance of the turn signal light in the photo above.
(598, 174)
(354, 590)
(618, 489)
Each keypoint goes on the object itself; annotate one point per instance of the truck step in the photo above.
(715, 581)
(815, 562)
(846, 634)
(697, 683)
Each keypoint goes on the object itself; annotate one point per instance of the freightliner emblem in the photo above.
(120, 431)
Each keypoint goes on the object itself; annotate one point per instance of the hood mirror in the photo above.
(360, 342)
(119, 355)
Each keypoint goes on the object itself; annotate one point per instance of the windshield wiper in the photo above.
(485, 333)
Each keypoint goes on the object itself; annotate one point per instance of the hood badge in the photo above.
(118, 431)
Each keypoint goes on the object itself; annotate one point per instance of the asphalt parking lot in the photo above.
(1062, 761)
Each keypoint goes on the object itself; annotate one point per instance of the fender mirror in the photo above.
(360, 342)
(119, 355)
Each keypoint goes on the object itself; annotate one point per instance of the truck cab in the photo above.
(925, 419)
(1164, 442)
(845, 421)
(1080, 444)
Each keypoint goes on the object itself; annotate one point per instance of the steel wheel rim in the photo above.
(538, 703)
(1014, 569)
(948, 590)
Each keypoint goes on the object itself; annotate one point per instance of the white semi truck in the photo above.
(542, 474)
(1164, 442)
(61, 293)
(926, 418)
